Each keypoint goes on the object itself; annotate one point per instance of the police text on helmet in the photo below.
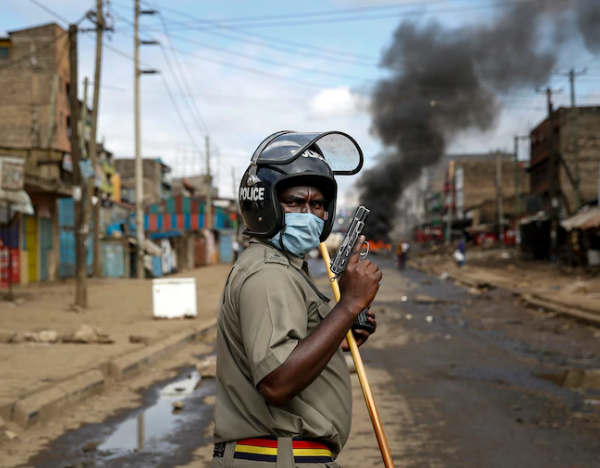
(252, 193)
(313, 154)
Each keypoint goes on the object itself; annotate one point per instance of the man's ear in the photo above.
(326, 217)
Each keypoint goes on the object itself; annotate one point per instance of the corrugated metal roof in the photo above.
(586, 219)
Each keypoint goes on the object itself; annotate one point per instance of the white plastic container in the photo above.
(174, 297)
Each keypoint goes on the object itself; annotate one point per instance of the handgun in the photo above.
(340, 261)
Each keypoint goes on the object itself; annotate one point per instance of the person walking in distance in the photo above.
(284, 396)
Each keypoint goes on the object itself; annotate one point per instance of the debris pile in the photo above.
(83, 335)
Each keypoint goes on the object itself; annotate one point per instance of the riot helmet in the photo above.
(287, 159)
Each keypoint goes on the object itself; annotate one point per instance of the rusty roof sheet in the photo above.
(586, 219)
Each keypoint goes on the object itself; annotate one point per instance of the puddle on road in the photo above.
(150, 427)
(155, 435)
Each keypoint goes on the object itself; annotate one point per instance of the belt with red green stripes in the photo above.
(265, 449)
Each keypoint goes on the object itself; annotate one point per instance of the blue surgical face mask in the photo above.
(301, 234)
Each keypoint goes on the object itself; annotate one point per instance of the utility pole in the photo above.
(450, 202)
(572, 74)
(517, 175)
(209, 209)
(139, 174)
(80, 253)
(95, 209)
(553, 178)
(84, 112)
(139, 168)
(499, 197)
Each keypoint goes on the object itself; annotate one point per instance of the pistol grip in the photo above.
(362, 322)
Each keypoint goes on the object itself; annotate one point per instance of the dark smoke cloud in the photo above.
(445, 81)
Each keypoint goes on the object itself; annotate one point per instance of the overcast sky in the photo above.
(240, 74)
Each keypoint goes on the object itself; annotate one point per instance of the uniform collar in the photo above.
(295, 261)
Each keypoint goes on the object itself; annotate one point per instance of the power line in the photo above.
(187, 94)
(329, 55)
(300, 22)
(344, 11)
(50, 11)
(313, 16)
(195, 111)
(269, 61)
(171, 97)
(278, 45)
(250, 57)
(332, 54)
(303, 49)
(304, 82)
(196, 116)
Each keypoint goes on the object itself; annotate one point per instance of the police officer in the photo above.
(284, 396)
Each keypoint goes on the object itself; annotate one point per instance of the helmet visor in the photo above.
(339, 150)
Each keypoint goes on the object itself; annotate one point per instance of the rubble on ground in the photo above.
(44, 336)
(8, 336)
(425, 299)
(578, 287)
(207, 368)
(178, 405)
(143, 339)
(84, 334)
(87, 335)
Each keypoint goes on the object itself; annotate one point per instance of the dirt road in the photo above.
(119, 308)
(460, 380)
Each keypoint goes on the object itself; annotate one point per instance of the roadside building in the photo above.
(469, 195)
(35, 125)
(576, 139)
(193, 186)
(157, 179)
(180, 226)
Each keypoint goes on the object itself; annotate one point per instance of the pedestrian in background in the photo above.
(460, 253)
(402, 254)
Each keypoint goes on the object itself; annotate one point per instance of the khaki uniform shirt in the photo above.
(267, 307)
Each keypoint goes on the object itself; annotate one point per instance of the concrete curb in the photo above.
(561, 309)
(46, 403)
(534, 300)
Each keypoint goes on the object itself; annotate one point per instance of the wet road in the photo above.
(469, 370)
(462, 379)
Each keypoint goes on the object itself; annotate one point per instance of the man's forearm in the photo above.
(308, 359)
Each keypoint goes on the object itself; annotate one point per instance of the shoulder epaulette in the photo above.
(275, 257)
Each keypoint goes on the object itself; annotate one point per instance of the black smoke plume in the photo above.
(446, 81)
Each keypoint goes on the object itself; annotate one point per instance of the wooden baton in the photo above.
(360, 370)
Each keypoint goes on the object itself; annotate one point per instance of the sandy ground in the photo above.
(118, 307)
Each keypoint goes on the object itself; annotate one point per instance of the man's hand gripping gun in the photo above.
(340, 261)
